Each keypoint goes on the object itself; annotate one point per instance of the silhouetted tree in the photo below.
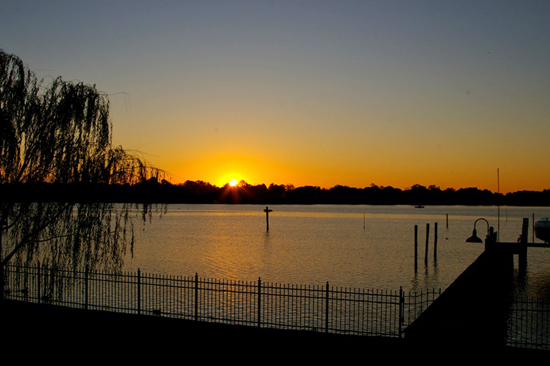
(277, 193)
(60, 133)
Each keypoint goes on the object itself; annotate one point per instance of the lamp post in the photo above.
(474, 238)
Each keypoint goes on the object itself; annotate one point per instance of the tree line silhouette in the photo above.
(154, 191)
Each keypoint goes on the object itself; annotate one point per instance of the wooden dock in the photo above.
(471, 313)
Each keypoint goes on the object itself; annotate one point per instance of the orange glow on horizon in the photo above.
(383, 108)
(256, 169)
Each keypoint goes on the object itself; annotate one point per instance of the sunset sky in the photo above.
(324, 93)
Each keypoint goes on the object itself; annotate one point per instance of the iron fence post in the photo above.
(39, 285)
(326, 307)
(196, 296)
(2, 266)
(86, 289)
(259, 302)
(139, 291)
(401, 311)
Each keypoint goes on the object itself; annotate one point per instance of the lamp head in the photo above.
(474, 238)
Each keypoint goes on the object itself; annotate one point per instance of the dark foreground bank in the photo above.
(48, 332)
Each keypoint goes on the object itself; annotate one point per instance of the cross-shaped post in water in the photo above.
(267, 211)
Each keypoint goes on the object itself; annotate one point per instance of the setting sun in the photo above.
(233, 182)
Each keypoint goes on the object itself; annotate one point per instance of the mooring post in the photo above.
(427, 242)
(435, 242)
(415, 247)
(533, 232)
(523, 245)
(267, 211)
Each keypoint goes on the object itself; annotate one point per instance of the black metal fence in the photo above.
(322, 308)
(529, 323)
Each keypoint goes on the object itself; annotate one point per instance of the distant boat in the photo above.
(542, 229)
(419, 206)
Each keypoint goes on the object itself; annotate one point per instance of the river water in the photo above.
(358, 246)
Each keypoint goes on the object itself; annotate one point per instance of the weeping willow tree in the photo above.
(59, 132)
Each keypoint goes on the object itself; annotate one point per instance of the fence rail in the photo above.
(322, 308)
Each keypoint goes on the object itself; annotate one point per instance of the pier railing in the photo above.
(322, 308)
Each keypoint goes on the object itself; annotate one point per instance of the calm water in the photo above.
(350, 246)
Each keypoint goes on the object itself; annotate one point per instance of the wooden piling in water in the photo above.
(267, 211)
(435, 242)
(522, 262)
(427, 243)
(415, 247)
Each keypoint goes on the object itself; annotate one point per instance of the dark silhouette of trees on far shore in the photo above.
(155, 191)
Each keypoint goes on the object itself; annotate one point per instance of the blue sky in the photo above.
(310, 92)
